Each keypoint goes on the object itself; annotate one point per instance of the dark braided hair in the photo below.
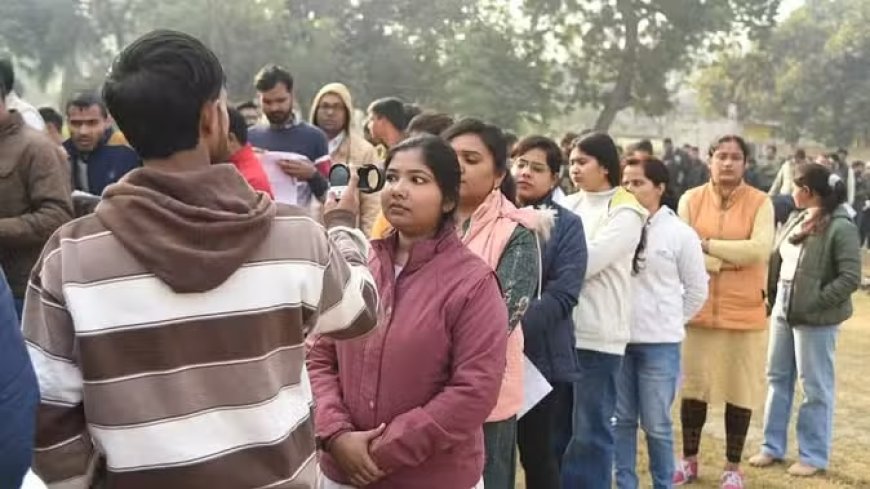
(657, 173)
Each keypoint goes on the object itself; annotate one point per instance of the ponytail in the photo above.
(838, 195)
(669, 200)
(831, 191)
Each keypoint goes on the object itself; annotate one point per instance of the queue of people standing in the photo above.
(192, 332)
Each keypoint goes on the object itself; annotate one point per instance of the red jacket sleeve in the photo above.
(479, 341)
(258, 180)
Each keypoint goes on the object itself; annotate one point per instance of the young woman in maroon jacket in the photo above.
(404, 406)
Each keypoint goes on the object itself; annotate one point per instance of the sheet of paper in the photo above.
(31, 481)
(535, 386)
(285, 187)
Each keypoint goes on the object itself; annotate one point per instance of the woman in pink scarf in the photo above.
(493, 228)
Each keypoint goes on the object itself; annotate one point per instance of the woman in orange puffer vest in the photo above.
(725, 348)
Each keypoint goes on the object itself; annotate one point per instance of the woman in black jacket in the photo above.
(547, 324)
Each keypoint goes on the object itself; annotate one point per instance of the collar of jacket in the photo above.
(546, 201)
(74, 152)
(421, 252)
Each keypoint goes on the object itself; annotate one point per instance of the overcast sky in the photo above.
(787, 7)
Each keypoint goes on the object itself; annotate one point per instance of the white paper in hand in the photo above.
(535, 387)
(284, 186)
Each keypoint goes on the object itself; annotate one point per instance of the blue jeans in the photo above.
(588, 459)
(500, 441)
(646, 390)
(804, 353)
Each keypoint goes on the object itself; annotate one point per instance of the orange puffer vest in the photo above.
(737, 297)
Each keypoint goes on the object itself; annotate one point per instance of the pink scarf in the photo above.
(492, 225)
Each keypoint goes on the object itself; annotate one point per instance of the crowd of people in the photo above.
(167, 321)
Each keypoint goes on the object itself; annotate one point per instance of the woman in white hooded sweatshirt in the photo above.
(669, 287)
(613, 220)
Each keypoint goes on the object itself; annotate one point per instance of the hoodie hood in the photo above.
(339, 89)
(192, 229)
(11, 125)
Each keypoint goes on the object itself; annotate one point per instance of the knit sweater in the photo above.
(167, 333)
(298, 137)
(613, 221)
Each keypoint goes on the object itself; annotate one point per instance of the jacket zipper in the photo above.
(388, 326)
(785, 236)
(793, 284)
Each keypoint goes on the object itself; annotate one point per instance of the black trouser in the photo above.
(863, 222)
(535, 438)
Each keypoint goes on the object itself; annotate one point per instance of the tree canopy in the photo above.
(623, 53)
(812, 76)
(513, 63)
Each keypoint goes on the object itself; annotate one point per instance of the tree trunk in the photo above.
(606, 117)
(620, 95)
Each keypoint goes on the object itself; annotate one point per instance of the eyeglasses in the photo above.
(535, 166)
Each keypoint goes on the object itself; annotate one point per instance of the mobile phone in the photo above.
(339, 178)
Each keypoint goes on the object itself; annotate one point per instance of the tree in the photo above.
(450, 55)
(75, 39)
(487, 77)
(244, 35)
(623, 53)
(453, 55)
(813, 74)
(389, 47)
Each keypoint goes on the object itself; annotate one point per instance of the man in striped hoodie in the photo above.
(167, 329)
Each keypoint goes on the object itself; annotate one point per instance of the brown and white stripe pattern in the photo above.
(187, 390)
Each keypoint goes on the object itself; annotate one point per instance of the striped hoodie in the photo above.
(166, 331)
